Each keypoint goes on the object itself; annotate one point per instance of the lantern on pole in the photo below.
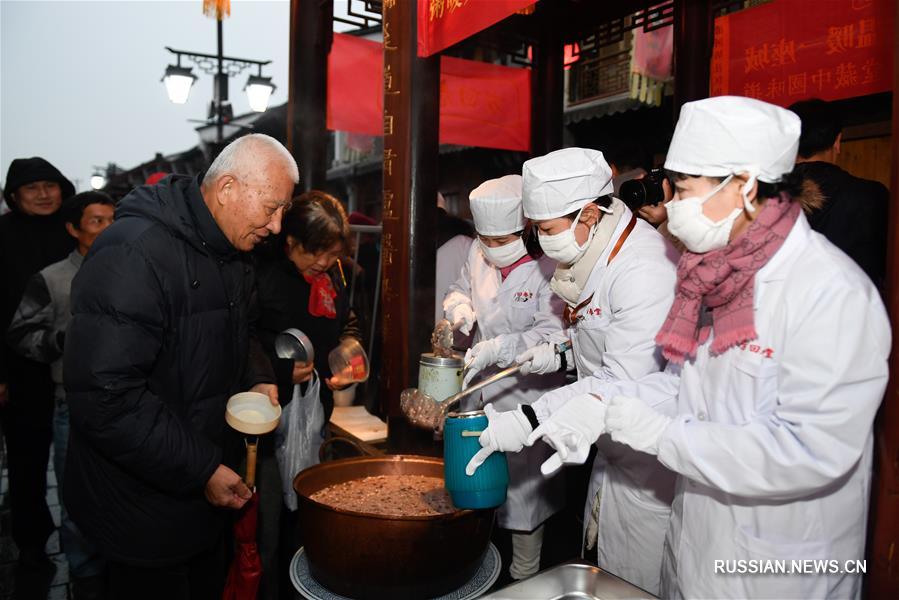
(217, 8)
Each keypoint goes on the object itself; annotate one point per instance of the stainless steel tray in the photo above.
(571, 581)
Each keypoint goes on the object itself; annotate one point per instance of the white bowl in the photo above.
(252, 413)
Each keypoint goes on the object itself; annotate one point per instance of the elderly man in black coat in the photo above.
(161, 336)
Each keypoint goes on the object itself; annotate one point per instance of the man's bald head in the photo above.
(251, 154)
(247, 187)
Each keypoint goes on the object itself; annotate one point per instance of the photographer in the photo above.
(646, 196)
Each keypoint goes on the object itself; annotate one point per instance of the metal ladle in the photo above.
(425, 412)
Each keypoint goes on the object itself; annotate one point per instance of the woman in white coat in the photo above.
(506, 291)
(616, 275)
(778, 345)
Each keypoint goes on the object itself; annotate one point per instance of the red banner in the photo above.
(442, 23)
(484, 105)
(653, 52)
(481, 104)
(791, 50)
(355, 85)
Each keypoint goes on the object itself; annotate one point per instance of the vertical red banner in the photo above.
(790, 50)
(442, 23)
(355, 85)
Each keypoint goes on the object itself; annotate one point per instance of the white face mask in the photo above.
(699, 233)
(505, 255)
(563, 247)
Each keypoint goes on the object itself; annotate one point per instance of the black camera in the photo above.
(646, 191)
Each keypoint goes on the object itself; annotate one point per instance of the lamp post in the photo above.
(179, 80)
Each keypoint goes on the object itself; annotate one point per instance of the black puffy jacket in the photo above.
(160, 338)
(853, 216)
(27, 245)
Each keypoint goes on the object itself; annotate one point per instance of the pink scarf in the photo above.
(724, 280)
(505, 271)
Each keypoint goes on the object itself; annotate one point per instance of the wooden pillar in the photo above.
(882, 580)
(310, 42)
(547, 81)
(411, 118)
(693, 41)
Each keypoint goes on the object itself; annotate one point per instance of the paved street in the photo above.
(51, 583)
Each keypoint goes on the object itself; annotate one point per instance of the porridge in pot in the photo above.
(390, 495)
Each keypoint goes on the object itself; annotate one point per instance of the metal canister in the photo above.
(486, 488)
(440, 377)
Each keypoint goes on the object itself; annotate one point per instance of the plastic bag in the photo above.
(299, 436)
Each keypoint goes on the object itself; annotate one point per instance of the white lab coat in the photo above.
(522, 306)
(451, 257)
(614, 338)
(773, 440)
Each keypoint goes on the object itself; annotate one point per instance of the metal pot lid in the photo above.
(429, 359)
(295, 345)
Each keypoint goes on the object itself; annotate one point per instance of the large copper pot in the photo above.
(362, 555)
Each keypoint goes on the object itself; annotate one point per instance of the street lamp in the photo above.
(178, 81)
(259, 89)
(98, 180)
(103, 175)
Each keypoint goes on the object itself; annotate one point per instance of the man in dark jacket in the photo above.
(161, 336)
(37, 331)
(853, 215)
(32, 236)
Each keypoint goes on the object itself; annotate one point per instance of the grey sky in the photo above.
(80, 81)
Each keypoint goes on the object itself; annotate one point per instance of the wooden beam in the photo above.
(693, 40)
(882, 580)
(310, 42)
(547, 82)
(411, 118)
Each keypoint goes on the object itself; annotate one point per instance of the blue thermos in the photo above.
(487, 487)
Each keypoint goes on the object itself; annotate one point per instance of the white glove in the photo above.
(571, 430)
(506, 432)
(495, 351)
(631, 421)
(464, 313)
(453, 313)
(540, 359)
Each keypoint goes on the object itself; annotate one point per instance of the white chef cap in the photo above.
(496, 206)
(725, 135)
(563, 182)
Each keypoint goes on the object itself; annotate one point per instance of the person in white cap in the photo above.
(506, 291)
(454, 239)
(616, 274)
(778, 346)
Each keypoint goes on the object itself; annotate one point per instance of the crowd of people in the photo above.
(167, 319)
(728, 353)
